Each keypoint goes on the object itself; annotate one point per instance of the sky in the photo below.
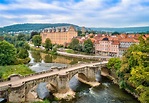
(88, 13)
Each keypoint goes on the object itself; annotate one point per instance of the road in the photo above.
(82, 56)
(20, 81)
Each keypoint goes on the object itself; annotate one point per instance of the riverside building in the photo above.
(59, 35)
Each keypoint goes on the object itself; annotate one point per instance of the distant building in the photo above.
(83, 30)
(107, 47)
(59, 35)
(114, 45)
(125, 44)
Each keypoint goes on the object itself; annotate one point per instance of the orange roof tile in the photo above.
(115, 42)
(129, 40)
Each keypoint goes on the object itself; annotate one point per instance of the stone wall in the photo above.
(59, 82)
(17, 94)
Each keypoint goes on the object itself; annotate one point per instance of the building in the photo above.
(107, 47)
(125, 44)
(83, 30)
(115, 45)
(59, 35)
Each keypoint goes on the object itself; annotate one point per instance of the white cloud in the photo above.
(29, 4)
(95, 13)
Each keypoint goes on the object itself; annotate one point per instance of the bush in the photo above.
(6, 71)
(22, 61)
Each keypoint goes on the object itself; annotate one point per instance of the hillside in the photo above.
(127, 29)
(30, 27)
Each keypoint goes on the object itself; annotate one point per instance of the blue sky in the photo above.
(89, 13)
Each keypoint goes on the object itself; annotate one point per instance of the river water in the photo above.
(107, 92)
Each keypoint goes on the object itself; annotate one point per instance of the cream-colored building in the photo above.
(59, 35)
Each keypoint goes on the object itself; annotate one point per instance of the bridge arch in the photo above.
(59, 78)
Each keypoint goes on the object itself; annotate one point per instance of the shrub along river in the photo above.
(107, 92)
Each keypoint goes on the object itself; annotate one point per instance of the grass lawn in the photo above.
(6, 71)
(70, 51)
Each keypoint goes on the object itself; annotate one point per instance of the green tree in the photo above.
(23, 53)
(115, 33)
(135, 69)
(1, 38)
(33, 34)
(7, 53)
(26, 46)
(8, 38)
(19, 44)
(48, 44)
(79, 32)
(21, 37)
(144, 96)
(114, 63)
(88, 46)
(74, 44)
(37, 40)
(54, 50)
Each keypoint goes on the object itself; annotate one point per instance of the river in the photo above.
(107, 92)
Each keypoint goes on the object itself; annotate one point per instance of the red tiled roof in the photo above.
(147, 35)
(115, 42)
(129, 40)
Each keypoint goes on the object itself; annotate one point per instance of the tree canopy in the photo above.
(37, 40)
(133, 72)
(88, 46)
(33, 34)
(7, 53)
(48, 44)
(74, 44)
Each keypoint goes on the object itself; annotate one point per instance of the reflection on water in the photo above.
(37, 57)
(48, 59)
(42, 61)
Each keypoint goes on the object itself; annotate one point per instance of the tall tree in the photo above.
(37, 40)
(135, 69)
(48, 44)
(7, 53)
(33, 34)
(114, 63)
(88, 46)
(21, 37)
(74, 44)
(23, 53)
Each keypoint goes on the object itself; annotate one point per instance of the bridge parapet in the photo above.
(43, 72)
(58, 79)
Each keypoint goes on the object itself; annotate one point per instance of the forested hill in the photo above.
(29, 27)
(126, 29)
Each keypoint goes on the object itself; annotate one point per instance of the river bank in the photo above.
(111, 75)
(69, 61)
(84, 56)
(92, 84)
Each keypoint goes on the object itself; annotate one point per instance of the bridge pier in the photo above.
(63, 83)
(92, 70)
(63, 89)
(59, 80)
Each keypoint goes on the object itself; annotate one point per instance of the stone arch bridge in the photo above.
(19, 86)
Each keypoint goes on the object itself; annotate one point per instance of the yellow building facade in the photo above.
(59, 35)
